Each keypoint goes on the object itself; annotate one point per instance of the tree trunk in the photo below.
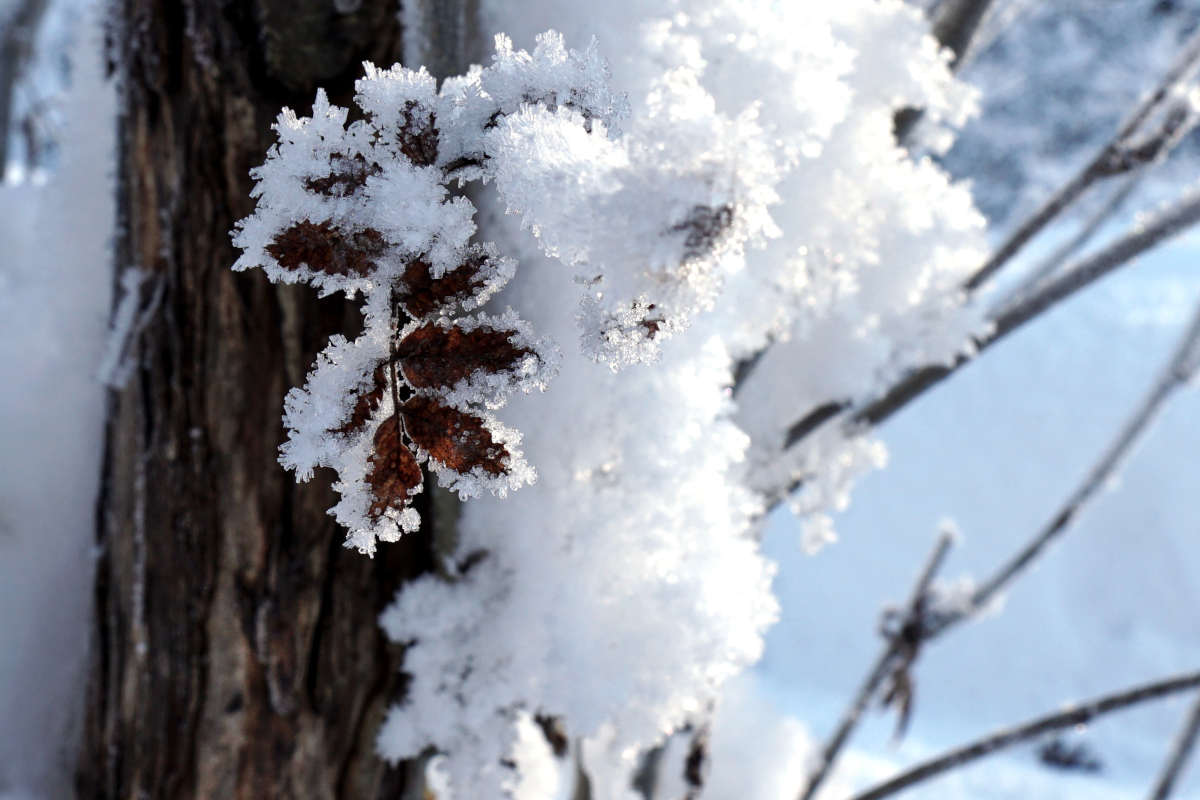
(235, 652)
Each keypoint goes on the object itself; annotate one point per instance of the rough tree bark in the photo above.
(235, 651)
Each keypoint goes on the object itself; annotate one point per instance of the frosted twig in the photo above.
(1185, 742)
(1168, 224)
(932, 565)
(583, 784)
(1112, 159)
(884, 666)
(955, 23)
(1061, 254)
(999, 740)
(1179, 369)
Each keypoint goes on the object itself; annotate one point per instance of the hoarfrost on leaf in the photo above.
(363, 208)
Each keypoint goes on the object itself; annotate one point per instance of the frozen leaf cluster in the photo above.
(645, 221)
(364, 208)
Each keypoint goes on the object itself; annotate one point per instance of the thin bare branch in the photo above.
(929, 572)
(999, 740)
(884, 666)
(1171, 223)
(1105, 163)
(1174, 221)
(743, 369)
(1050, 265)
(1181, 750)
(923, 627)
(583, 783)
(1178, 371)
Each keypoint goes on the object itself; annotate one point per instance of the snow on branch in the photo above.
(807, 432)
(792, 451)
(756, 173)
(364, 208)
(1146, 235)
(749, 191)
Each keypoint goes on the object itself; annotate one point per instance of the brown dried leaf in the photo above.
(348, 175)
(424, 295)
(325, 248)
(418, 135)
(368, 401)
(436, 357)
(452, 437)
(394, 471)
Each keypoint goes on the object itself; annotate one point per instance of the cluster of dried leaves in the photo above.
(428, 395)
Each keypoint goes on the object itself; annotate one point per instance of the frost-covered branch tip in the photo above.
(365, 208)
(894, 661)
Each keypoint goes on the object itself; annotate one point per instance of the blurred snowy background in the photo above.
(995, 449)
(999, 447)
